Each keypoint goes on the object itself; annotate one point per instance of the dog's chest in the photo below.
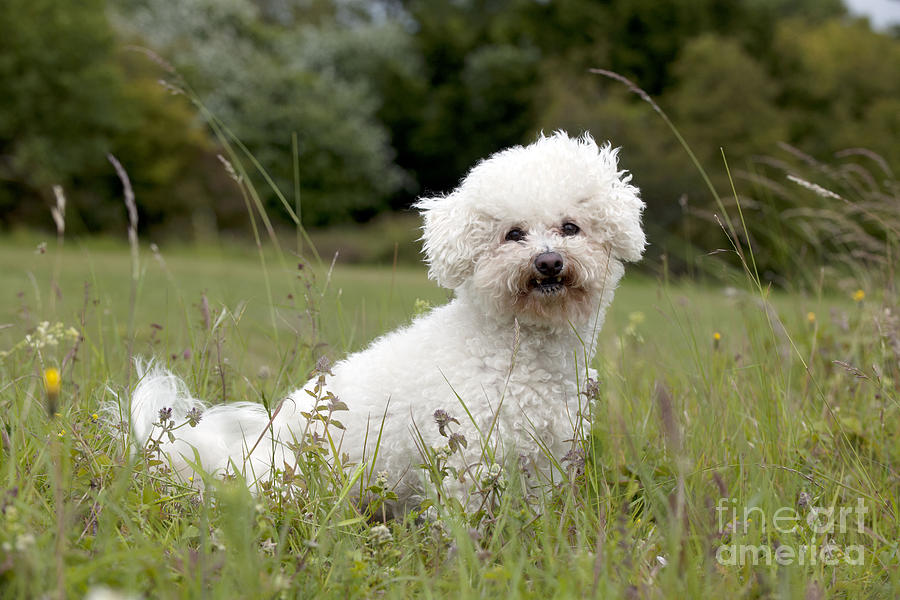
(533, 368)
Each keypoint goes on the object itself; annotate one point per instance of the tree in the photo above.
(722, 97)
(61, 103)
(71, 96)
(840, 86)
(268, 78)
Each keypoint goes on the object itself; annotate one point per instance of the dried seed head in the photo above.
(592, 389)
(575, 458)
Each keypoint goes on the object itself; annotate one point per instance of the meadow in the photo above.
(743, 443)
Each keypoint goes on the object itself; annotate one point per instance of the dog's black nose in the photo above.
(548, 264)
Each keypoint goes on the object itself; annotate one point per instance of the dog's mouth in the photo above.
(548, 286)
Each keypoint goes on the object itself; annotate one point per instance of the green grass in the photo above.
(763, 415)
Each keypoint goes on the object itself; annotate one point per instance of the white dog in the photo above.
(532, 243)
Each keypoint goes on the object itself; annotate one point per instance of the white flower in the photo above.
(24, 542)
(380, 534)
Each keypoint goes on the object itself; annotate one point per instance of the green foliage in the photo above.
(389, 100)
(473, 95)
(839, 87)
(268, 81)
(737, 109)
(73, 95)
(707, 397)
(62, 98)
(814, 85)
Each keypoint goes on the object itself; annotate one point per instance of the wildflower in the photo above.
(493, 479)
(165, 414)
(47, 335)
(811, 317)
(443, 419)
(444, 452)
(859, 296)
(380, 534)
(193, 416)
(717, 338)
(62, 433)
(95, 417)
(24, 542)
(52, 385)
(52, 380)
(323, 365)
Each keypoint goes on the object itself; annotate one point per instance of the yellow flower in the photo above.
(811, 317)
(62, 433)
(859, 296)
(95, 417)
(51, 380)
(717, 336)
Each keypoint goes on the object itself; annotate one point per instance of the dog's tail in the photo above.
(158, 391)
(239, 437)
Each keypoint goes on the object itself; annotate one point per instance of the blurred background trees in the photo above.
(389, 99)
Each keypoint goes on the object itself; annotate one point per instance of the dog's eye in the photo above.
(570, 229)
(515, 235)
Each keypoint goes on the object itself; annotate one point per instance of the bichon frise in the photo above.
(532, 243)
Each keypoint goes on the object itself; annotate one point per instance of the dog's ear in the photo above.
(621, 212)
(628, 239)
(450, 250)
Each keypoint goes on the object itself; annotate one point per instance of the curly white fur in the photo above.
(513, 345)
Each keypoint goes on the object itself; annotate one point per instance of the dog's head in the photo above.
(539, 231)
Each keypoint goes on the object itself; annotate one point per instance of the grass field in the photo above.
(731, 428)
